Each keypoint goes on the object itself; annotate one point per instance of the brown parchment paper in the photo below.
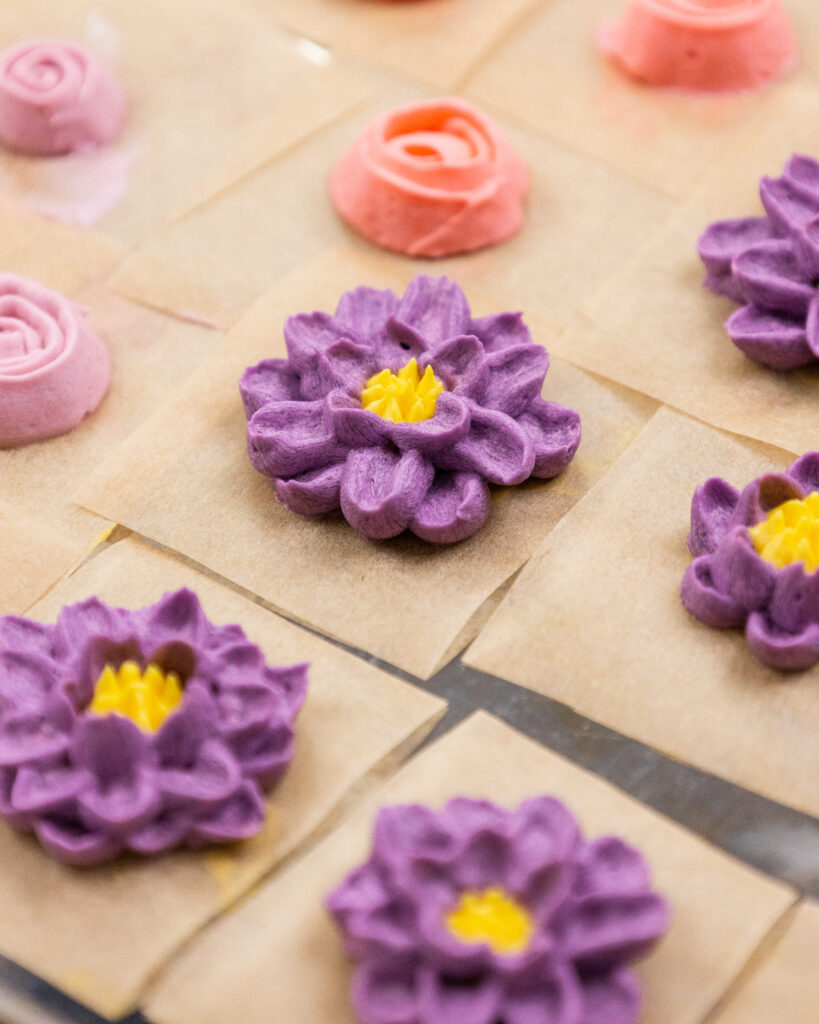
(99, 934)
(785, 985)
(595, 620)
(550, 73)
(583, 221)
(437, 42)
(34, 556)
(403, 600)
(280, 959)
(214, 91)
(150, 353)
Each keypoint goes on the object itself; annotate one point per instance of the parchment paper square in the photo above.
(583, 221)
(34, 557)
(785, 984)
(402, 600)
(550, 73)
(437, 42)
(214, 91)
(280, 959)
(595, 620)
(150, 354)
(100, 933)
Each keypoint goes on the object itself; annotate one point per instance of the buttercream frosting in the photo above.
(770, 265)
(54, 370)
(703, 45)
(431, 179)
(756, 562)
(477, 913)
(139, 730)
(346, 421)
(55, 98)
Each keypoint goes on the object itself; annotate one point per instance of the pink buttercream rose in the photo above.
(55, 98)
(54, 370)
(431, 179)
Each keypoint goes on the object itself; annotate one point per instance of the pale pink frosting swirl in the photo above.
(54, 370)
(55, 98)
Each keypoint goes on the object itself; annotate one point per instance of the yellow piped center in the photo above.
(491, 917)
(790, 534)
(147, 698)
(403, 397)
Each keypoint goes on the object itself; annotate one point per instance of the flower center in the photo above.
(147, 698)
(491, 917)
(790, 534)
(403, 397)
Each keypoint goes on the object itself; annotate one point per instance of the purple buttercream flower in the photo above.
(139, 730)
(479, 915)
(770, 264)
(755, 565)
(401, 412)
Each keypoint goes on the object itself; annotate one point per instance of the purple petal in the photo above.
(555, 997)
(803, 172)
(782, 650)
(772, 339)
(381, 491)
(794, 603)
(763, 495)
(501, 330)
(547, 840)
(385, 994)
(308, 334)
(17, 633)
(272, 380)
(611, 866)
(484, 860)
(344, 365)
(770, 277)
(29, 740)
(314, 493)
(74, 844)
(603, 931)
(516, 377)
(290, 438)
(496, 447)
(180, 737)
(240, 817)
(454, 508)
(722, 242)
(712, 509)
(264, 753)
(209, 780)
(740, 573)
(397, 344)
(812, 328)
(290, 684)
(41, 790)
(464, 815)
(449, 1000)
(461, 365)
(162, 833)
(177, 618)
(788, 206)
(705, 601)
(805, 471)
(77, 623)
(354, 426)
(365, 311)
(555, 433)
(806, 247)
(28, 679)
(435, 307)
(611, 997)
(406, 829)
(440, 432)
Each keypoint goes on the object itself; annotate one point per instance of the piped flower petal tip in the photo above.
(756, 563)
(139, 730)
(702, 45)
(432, 179)
(770, 265)
(402, 412)
(479, 914)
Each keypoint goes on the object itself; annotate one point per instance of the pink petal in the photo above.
(381, 490)
(555, 432)
(455, 507)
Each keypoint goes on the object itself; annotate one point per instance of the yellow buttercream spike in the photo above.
(790, 534)
(403, 397)
(146, 698)
(492, 917)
